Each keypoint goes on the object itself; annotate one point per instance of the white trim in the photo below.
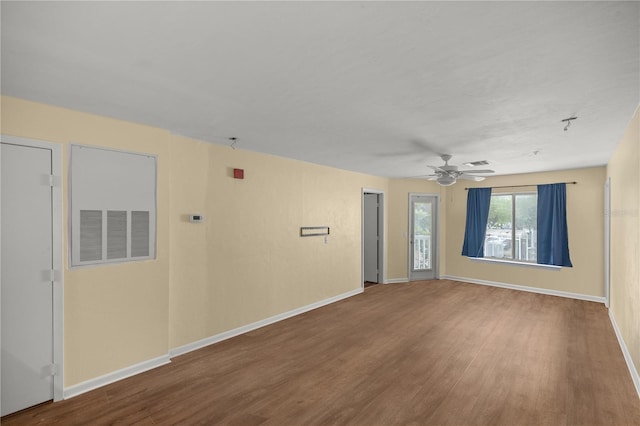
(539, 290)
(115, 376)
(132, 370)
(627, 356)
(58, 285)
(396, 280)
(58, 250)
(607, 241)
(515, 263)
(181, 350)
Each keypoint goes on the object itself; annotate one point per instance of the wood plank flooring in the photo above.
(424, 353)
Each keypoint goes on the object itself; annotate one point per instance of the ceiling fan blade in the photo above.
(421, 177)
(477, 171)
(432, 177)
(436, 168)
(471, 177)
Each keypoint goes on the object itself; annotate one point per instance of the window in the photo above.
(113, 206)
(512, 227)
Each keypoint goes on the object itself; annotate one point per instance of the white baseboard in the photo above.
(559, 293)
(396, 280)
(115, 376)
(258, 324)
(627, 356)
(92, 384)
(132, 370)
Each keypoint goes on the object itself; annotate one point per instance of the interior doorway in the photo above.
(372, 237)
(423, 237)
(31, 262)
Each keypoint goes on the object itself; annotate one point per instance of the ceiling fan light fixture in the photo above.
(447, 175)
(446, 180)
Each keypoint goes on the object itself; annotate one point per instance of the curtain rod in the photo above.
(519, 186)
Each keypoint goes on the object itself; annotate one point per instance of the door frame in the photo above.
(57, 250)
(436, 230)
(607, 242)
(382, 260)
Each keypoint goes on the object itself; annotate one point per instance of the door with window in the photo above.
(423, 225)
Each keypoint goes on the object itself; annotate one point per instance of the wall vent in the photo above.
(112, 205)
(477, 163)
(116, 234)
(139, 233)
(90, 235)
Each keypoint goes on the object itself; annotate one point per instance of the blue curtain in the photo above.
(478, 201)
(553, 238)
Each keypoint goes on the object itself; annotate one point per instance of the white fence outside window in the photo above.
(422, 252)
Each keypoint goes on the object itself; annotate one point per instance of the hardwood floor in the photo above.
(423, 353)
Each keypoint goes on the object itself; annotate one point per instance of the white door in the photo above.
(27, 261)
(371, 237)
(423, 212)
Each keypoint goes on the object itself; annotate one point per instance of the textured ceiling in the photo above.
(375, 87)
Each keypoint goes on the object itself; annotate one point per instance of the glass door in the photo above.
(423, 212)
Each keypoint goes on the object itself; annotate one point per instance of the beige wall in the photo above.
(398, 220)
(585, 206)
(114, 316)
(247, 262)
(623, 169)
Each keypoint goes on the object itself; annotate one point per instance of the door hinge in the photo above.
(53, 369)
(54, 181)
(54, 275)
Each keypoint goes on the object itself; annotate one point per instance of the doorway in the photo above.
(423, 237)
(31, 265)
(372, 237)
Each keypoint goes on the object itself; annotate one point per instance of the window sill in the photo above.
(515, 263)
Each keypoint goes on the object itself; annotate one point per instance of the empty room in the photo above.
(312, 213)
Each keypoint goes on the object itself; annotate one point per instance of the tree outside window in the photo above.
(503, 239)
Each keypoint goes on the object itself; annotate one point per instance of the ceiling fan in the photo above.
(448, 175)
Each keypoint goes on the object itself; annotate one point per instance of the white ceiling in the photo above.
(374, 87)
